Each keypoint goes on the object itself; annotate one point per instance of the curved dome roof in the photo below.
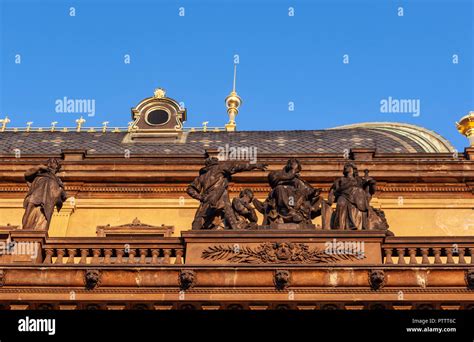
(428, 140)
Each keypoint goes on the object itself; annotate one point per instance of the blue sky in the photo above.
(283, 59)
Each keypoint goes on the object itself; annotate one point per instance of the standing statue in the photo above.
(210, 188)
(46, 191)
(352, 195)
(291, 199)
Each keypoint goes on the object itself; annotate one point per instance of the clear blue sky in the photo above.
(282, 58)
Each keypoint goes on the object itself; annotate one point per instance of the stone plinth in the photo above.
(283, 247)
(27, 245)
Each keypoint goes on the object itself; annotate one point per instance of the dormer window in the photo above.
(157, 118)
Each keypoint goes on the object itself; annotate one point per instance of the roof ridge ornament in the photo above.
(465, 126)
(4, 123)
(232, 102)
(79, 123)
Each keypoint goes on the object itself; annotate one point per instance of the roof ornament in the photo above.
(79, 123)
(204, 126)
(104, 126)
(159, 93)
(232, 102)
(4, 123)
(53, 125)
(28, 126)
(465, 126)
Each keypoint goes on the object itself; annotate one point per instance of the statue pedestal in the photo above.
(27, 245)
(291, 226)
(283, 247)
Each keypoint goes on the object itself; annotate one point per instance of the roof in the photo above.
(384, 137)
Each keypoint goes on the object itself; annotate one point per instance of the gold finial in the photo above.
(53, 125)
(232, 102)
(4, 123)
(104, 126)
(79, 123)
(204, 126)
(465, 126)
(159, 93)
(28, 125)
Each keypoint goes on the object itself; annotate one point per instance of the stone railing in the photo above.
(428, 250)
(149, 250)
(113, 251)
(35, 247)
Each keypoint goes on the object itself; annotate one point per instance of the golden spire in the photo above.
(465, 126)
(232, 102)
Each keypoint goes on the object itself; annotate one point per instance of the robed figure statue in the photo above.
(46, 191)
(352, 195)
(291, 199)
(210, 189)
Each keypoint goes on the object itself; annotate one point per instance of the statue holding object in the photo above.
(291, 199)
(210, 189)
(352, 195)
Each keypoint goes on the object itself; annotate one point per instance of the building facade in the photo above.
(123, 239)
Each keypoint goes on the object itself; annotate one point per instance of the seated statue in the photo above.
(244, 212)
(291, 199)
(210, 189)
(46, 191)
(352, 195)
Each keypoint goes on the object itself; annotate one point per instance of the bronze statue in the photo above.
(244, 212)
(46, 191)
(291, 199)
(352, 195)
(210, 188)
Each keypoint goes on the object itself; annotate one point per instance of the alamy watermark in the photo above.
(19, 248)
(393, 105)
(228, 152)
(76, 106)
(28, 324)
(344, 247)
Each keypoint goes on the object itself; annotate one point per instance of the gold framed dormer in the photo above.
(157, 118)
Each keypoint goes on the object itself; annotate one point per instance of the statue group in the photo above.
(291, 199)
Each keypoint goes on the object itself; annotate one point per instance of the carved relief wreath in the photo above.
(281, 252)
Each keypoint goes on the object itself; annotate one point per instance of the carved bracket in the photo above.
(92, 279)
(3, 275)
(470, 278)
(376, 279)
(281, 279)
(187, 279)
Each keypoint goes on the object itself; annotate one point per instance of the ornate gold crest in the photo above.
(159, 93)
